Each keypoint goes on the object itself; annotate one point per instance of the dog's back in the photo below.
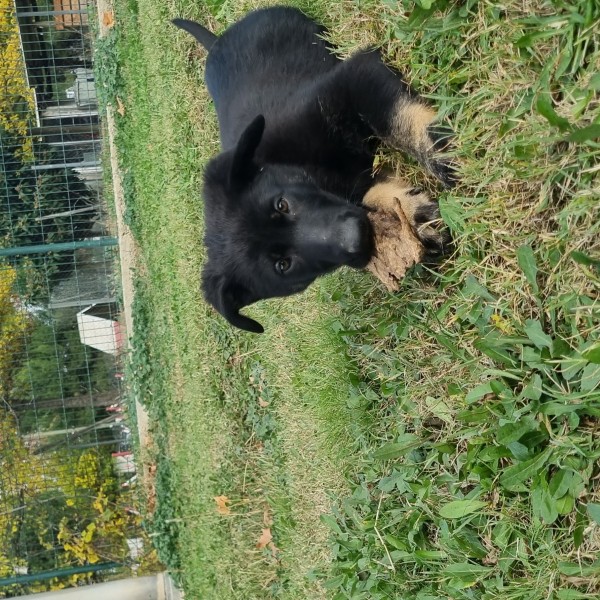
(260, 63)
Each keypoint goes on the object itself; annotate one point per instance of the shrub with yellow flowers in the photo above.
(14, 92)
(102, 532)
(14, 325)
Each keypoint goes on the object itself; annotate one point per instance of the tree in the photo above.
(55, 384)
(58, 365)
(16, 99)
(58, 509)
(14, 326)
(36, 207)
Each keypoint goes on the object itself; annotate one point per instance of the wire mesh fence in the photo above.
(67, 479)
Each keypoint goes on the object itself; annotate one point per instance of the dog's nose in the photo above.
(352, 234)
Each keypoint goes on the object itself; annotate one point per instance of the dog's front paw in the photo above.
(422, 213)
(438, 162)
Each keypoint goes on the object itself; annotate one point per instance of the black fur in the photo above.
(299, 130)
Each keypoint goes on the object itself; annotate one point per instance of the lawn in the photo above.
(441, 442)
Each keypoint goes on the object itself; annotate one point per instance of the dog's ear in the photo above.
(228, 297)
(243, 167)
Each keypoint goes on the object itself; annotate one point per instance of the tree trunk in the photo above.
(65, 129)
(67, 435)
(83, 401)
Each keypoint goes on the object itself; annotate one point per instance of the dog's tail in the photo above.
(203, 35)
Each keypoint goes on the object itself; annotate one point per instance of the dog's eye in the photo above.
(282, 205)
(283, 265)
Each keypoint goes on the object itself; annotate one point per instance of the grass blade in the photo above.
(461, 508)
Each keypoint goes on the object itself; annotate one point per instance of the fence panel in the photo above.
(67, 501)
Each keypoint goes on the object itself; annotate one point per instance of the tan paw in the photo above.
(420, 210)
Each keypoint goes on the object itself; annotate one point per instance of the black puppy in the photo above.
(299, 130)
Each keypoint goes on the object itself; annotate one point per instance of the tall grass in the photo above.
(437, 443)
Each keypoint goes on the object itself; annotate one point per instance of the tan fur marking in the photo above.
(410, 123)
(382, 195)
(398, 238)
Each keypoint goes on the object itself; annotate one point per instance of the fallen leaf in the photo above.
(222, 507)
(264, 539)
(108, 19)
(267, 519)
(262, 403)
(120, 107)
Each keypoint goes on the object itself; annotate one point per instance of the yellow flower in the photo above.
(501, 323)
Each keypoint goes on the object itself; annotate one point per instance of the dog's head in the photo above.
(271, 231)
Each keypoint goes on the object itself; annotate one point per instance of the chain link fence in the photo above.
(68, 511)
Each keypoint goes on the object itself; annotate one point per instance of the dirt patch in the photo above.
(128, 256)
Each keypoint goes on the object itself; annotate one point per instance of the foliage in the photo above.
(29, 195)
(16, 99)
(28, 471)
(58, 365)
(97, 526)
(24, 496)
(106, 68)
(34, 205)
(14, 326)
(59, 496)
(145, 385)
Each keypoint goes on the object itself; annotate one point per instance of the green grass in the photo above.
(437, 443)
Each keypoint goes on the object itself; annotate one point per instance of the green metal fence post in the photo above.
(91, 243)
(64, 572)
